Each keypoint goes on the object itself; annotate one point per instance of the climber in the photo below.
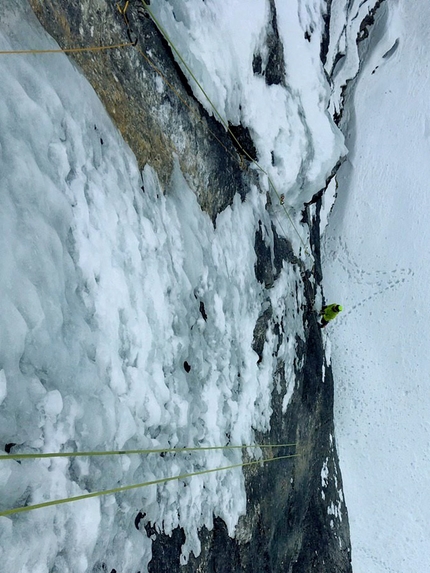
(329, 312)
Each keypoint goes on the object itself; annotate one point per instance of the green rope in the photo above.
(38, 455)
(222, 120)
(135, 486)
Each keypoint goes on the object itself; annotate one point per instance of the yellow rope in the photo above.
(42, 455)
(122, 452)
(187, 105)
(66, 50)
(135, 486)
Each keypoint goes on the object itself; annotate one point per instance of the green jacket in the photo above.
(331, 311)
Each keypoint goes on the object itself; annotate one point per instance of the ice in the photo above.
(343, 57)
(327, 203)
(324, 475)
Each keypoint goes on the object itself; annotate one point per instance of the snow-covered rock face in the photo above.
(108, 288)
(242, 79)
(152, 109)
(128, 318)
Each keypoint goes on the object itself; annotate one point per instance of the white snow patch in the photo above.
(324, 474)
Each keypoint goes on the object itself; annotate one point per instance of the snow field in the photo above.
(377, 265)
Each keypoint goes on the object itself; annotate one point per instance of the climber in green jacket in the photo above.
(329, 312)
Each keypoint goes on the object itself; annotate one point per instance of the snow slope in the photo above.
(376, 262)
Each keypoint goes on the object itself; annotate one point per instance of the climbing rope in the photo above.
(120, 489)
(150, 62)
(67, 50)
(41, 455)
(186, 104)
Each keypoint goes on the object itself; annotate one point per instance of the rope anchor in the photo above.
(123, 12)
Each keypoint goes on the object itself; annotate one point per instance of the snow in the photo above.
(376, 263)
(324, 474)
(343, 59)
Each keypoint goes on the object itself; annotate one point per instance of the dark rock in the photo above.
(275, 68)
(187, 367)
(368, 22)
(283, 251)
(257, 64)
(272, 66)
(242, 140)
(203, 311)
(288, 526)
(264, 272)
(325, 39)
(166, 550)
(138, 519)
(260, 330)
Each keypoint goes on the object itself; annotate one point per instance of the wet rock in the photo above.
(272, 65)
(260, 330)
(203, 311)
